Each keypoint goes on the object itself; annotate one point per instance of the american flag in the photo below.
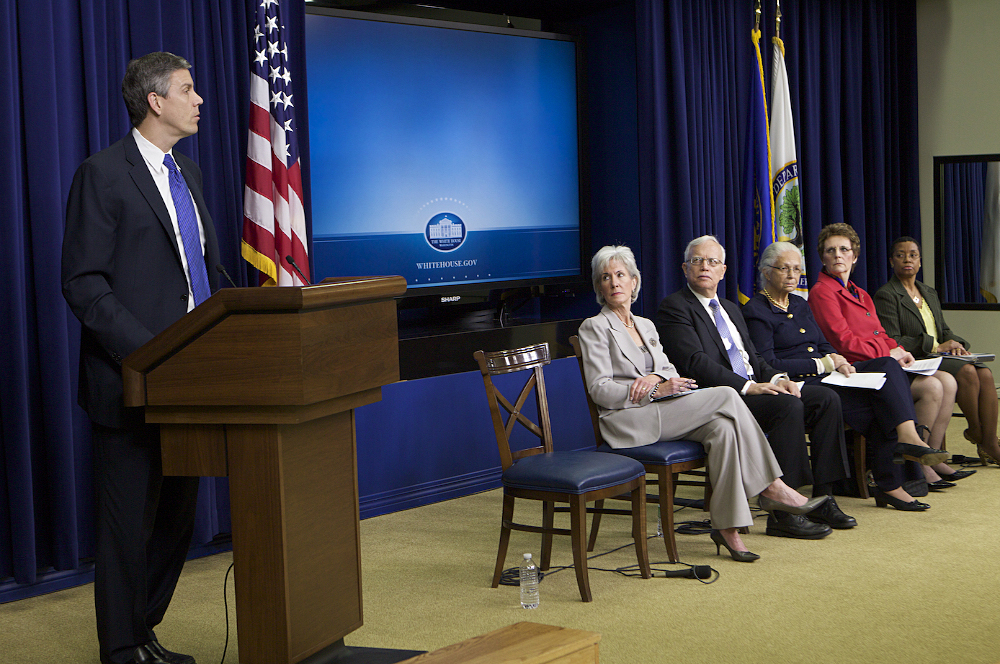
(274, 222)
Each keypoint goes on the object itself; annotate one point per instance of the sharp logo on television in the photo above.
(445, 231)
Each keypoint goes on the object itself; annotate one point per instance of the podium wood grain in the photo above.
(260, 384)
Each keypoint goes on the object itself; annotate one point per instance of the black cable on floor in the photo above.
(225, 604)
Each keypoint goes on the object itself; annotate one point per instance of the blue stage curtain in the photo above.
(62, 65)
(963, 207)
(852, 72)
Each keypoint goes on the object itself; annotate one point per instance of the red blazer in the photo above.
(850, 324)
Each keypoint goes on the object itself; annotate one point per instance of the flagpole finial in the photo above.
(777, 18)
(756, 11)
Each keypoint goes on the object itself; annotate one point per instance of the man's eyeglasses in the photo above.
(787, 270)
(712, 262)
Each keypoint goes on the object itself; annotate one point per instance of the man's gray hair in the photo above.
(771, 253)
(609, 253)
(698, 241)
(150, 73)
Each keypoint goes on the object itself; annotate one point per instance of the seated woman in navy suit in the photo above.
(911, 313)
(626, 372)
(784, 331)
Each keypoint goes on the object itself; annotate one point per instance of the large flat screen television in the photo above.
(447, 153)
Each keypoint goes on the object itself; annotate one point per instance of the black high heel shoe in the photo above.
(957, 475)
(927, 456)
(882, 499)
(738, 556)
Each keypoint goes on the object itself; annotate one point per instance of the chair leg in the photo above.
(595, 524)
(506, 517)
(548, 522)
(578, 535)
(666, 482)
(639, 528)
(860, 472)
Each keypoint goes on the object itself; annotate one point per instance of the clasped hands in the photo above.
(642, 386)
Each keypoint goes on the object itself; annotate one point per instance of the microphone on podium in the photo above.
(225, 274)
(291, 261)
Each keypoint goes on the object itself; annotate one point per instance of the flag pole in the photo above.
(777, 19)
(756, 11)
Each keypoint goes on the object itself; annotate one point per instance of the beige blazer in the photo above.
(611, 363)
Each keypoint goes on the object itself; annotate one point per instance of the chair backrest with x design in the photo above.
(511, 361)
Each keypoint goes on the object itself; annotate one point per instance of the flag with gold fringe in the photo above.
(757, 219)
(274, 221)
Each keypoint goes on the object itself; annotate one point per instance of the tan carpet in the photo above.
(901, 587)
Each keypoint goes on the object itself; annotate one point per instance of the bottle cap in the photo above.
(527, 556)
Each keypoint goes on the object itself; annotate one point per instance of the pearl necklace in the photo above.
(783, 307)
(629, 324)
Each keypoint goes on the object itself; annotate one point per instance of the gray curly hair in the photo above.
(771, 253)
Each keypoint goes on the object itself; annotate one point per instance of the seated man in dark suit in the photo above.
(708, 338)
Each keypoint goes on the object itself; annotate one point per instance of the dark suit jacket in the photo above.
(121, 268)
(692, 341)
(788, 340)
(903, 322)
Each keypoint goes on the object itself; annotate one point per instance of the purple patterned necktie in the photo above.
(735, 359)
(187, 222)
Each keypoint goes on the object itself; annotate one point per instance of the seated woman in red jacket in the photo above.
(847, 317)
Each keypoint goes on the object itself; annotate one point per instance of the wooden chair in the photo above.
(665, 459)
(539, 473)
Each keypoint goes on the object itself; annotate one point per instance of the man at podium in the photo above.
(136, 255)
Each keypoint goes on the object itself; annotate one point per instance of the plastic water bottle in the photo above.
(659, 522)
(529, 583)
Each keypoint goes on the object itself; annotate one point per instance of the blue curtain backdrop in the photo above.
(62, 65)
(852, 74)
(851, 66)
(963, 189)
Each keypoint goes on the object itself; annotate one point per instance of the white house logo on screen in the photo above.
(445, 231)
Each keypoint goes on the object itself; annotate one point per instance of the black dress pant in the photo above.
(785, 419)
(144, 527)
(877, 413)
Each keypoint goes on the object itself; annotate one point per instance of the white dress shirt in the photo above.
(153, 156)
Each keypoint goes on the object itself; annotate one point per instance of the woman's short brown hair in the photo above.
(838, 230)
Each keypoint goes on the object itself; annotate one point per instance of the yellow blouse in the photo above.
(929, 323)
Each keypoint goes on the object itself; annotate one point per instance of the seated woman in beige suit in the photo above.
(627, 372)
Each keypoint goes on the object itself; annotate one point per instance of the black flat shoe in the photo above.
(928, 456)
(169, 656)
(830, 514)
(783, 524)
(882, 499)
(738, 556)
(940, 485)
(957, 475)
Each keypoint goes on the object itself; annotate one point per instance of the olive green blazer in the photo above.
(902, 320)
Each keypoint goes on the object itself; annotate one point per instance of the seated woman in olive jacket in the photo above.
(911, 313)
(784, 331)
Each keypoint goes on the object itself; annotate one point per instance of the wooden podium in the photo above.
(260, 384)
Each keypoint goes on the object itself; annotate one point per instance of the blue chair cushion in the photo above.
(571, 472)
(663, 453)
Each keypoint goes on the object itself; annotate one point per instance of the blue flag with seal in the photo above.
(757, 218)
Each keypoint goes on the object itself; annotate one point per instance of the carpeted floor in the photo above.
(901, 587)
